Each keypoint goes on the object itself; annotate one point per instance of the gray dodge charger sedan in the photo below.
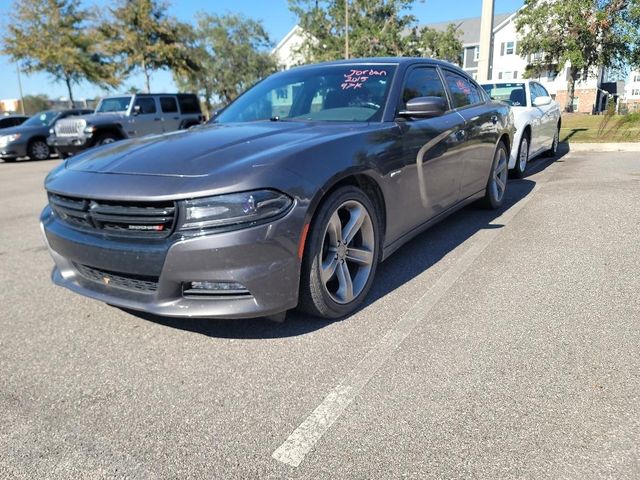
(290, 196)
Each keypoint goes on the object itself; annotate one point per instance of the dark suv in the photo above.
(126, 116)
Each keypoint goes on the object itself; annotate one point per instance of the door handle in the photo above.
(157, 119)
(176, 118)
(494, 119)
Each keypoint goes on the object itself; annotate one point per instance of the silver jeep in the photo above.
(125, 116)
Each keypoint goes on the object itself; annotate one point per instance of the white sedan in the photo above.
(537, 120)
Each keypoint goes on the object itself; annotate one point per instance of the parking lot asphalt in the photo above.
(496, 345)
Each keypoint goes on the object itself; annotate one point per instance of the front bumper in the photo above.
(69, 144)
(13, 150)
(262, 258)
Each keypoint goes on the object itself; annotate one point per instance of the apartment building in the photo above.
(507, 63)
(632, 91)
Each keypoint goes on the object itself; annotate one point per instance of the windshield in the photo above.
(339, 93)
(511, 93)
(42, 119)
(115, 104)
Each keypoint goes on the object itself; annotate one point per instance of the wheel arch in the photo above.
(365, 182)
(110, 128)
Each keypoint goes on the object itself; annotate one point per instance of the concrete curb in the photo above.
(603, 147)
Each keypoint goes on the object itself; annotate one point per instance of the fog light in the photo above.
(214, 288)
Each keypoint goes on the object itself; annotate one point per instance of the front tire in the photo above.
(105, 139)
(38, 150)
(554, 145)
(341, 255)
(523, 157)
(497, 183)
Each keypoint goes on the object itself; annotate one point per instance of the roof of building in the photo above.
(470, 27)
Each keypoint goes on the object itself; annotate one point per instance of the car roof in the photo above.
(148, 94)
(494, 82)
(400, 61)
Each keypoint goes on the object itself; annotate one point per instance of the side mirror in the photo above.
(136, 110)
(424, 107)
(542, 101)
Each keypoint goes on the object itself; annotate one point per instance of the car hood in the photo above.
(24, 130)
(207, 150)
(96, 118)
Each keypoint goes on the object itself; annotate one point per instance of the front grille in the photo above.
(134, 283)
(130, 219)
(69, 127)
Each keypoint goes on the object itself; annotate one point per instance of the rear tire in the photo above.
(497, 183)
(341, 255)
(38, 150)
(523, 157)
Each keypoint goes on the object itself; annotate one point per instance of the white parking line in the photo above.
(303, 438)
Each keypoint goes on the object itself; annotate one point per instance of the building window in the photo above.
(510, 48)
(635, 92)
(508, 75)
(636, 78)
(476, 54)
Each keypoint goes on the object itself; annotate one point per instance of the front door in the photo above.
(145, 118)
(429, 179)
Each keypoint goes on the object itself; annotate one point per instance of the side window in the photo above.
(543, 91)
(189, 104)
(147, 105)
(422, 82)
(535, 92)
(168, 105)
(463, 92)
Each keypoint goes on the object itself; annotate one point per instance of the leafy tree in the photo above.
(232, 53)
(54, 36)
(143, 38)
(36, 103)
(377, 28)
(585, 33)
(445, 45)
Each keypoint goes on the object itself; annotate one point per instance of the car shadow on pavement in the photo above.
(409, 261)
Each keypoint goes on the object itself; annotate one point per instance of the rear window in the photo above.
(463, 92)
(512, 93)
(189, 104)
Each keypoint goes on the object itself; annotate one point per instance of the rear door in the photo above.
(430, 176)
(170, 114)
(480, 131)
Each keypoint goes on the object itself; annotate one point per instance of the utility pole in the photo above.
(346, 29)
(20, 89)
(486, 40)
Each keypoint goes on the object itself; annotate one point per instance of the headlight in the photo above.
(89, 129)
(232, 209)
(6, 139)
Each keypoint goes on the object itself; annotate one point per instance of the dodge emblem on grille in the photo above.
(106, 280)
